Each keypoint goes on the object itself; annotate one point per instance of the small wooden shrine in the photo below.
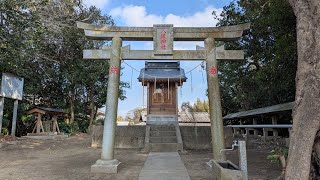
(162, 80)
(50, 125)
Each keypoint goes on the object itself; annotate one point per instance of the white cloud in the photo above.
(199, 19)
(187, 45)
(137, 16)
(98, 3)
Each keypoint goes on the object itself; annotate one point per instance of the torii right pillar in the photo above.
(217, 133)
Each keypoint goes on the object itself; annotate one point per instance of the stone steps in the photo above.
(154, 128)
(163, 120)
(162, 133)
(163, 139)
(165, 147)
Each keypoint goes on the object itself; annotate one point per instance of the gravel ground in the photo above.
(72, 157)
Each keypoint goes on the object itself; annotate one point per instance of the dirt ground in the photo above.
(72, 157)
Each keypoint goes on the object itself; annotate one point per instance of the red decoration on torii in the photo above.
(163, 39)
(213, 70)
(113, 70)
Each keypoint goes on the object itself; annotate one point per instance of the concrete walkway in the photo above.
(164, 166)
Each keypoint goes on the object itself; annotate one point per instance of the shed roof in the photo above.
(261, 111)
(162, 71)
(45, 110)
(193, 117)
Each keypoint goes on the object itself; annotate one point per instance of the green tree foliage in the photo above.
(198, 106)
(267, 76)
(201, 106)
(39, 41)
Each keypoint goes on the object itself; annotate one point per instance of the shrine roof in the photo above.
(45, 110)
(162, 71)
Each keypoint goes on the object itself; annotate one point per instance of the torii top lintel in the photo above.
(224, 33)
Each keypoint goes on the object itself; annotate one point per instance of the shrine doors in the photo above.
(162, 99)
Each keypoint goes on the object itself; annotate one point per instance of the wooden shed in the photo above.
(52, 124)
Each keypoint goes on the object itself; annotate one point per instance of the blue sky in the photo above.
(145, 13)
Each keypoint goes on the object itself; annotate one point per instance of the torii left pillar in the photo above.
(107, 163)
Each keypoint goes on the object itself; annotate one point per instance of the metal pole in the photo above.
(214, 101)
(243, 159)
(14, 118)
(1, 112)
(112, 100)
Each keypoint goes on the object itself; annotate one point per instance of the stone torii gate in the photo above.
(163, 36)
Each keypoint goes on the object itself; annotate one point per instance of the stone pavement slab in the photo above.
(164, 166)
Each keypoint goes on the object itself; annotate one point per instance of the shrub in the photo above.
(4, 131)
(65, 127)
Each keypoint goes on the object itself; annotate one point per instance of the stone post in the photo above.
(214, 100)
(265, 134)
(107, 163)
(290, 132)
(288, 140)
(148, 99)
(275, 121)
(14, 118)
(243, 159)
(255, 122)
(1, 112)
(242, 131)
(54, 124)
(39, 122)
(247, 132)
(234, 132)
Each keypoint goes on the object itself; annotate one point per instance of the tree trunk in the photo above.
(306, 114)
(96, 111)
(283, 165)
(92, 108)
(72, 108)
(315, 159)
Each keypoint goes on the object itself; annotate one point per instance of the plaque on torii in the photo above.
(163, 36)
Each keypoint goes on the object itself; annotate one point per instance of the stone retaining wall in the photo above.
(126, 136)
(193, 137)
(199, 137)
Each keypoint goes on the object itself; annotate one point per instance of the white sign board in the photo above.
(11, 86)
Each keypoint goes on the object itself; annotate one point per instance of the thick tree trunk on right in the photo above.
(315, 158)
(306, 114)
